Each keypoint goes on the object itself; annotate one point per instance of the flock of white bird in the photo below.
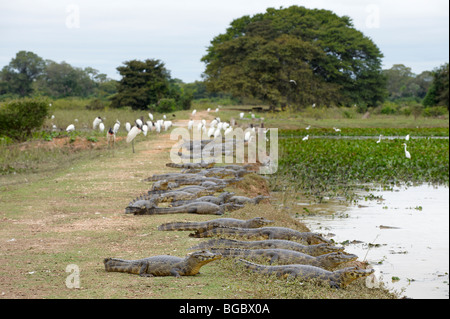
(216, 129)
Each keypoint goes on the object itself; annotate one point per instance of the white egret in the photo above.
(293, 81)
(96, 122)
(253, 116)
(379, 139)
(407, 138)
(241, 115)
(213, 123)
(116, 127)
(217, 109)
(144, 129)
(193, 112)
(53, 117)
(407, 154)
(164, 116)
(150, 115)
(167, 125)
(337, 129)
(314, 105)
(217, 133)
(211, 131)
(228, 131)
(158, 127)
(305, 138)
(101, 127)
(70, 128)
(128, 126)
(308, 127)
(209, 109)
(190, 125)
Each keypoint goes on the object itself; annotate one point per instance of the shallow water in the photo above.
(408, 233)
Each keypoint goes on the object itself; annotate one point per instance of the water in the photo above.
(408, 233)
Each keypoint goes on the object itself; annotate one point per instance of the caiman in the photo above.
(336, 279)
(312, 250)
(202, 208)
(242, 200)
(219, 222)
(284, 257)
(163, 265)
(191, 165)
(307, 238)
(219, 200)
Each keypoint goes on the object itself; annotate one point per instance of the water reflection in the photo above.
(405, 236)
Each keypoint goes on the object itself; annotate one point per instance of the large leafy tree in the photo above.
(438, 92)
(18, 76)
(143, 83)
(329, 61)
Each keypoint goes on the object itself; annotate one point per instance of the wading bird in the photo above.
(379, 139)
(116, 127)
(70, 128)
(305, 138)
(96, 122)
(407, 154)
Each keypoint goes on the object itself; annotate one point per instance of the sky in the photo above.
(104, 34)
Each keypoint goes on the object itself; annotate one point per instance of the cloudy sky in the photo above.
(104, 34)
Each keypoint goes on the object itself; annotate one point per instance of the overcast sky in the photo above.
(104, 34)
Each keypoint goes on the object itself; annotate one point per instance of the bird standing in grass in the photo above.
(379, 139)
(116, 127)
(305, 138)
(407, 154)
(96, 122)
(70, 128)
(111, 137)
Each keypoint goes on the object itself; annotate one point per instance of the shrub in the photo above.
(434, 111)
(165, 106)
(18, 118)
(388, 108)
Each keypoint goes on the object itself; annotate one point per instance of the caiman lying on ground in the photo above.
(241, 200)
(219, 222)
(148, 207)
(264, 233)
(219, 200)
(191, 165)
(284, 257)
(336, 279)
(163, 265)
(312, 250)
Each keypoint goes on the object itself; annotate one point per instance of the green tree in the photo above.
(329, 60)
(403, 83)
(63, 80)
(18, 76)
(143, 83)
(438, 92)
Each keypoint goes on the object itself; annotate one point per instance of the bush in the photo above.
(388, 108)
(19, 118)
(165, 106)
(434, 111)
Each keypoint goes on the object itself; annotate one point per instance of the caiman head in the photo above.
(139, 207)
(349, 274)
(334, 259)
(204, 256)
(315, 239)
(259, 222)
(323, 249)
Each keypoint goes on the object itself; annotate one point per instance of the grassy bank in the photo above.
(74, 215)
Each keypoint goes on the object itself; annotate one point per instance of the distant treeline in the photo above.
(289, 57)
